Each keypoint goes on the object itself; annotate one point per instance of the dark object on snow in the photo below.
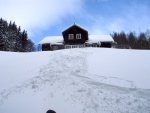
(50, 111)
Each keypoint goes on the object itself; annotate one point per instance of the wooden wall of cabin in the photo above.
(75, 30)
(46, 47)
(57, 47)
(106, 44)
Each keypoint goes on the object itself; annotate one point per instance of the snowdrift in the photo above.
(89, 80)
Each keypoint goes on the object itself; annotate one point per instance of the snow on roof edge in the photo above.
(91, 39)
(73, 25)
(101, 38)
(52, 39)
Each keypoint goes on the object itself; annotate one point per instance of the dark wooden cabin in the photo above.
(75, 35)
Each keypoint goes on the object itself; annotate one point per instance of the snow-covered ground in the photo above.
(88, 80)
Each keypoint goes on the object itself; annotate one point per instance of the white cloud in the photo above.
(132, 18)
(38, 14)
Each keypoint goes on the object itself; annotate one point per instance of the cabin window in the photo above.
(70, 36)
(67, 47)
(88, 45)
(78, 36)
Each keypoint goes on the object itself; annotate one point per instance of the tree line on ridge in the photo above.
(132, 40)
(13, 39)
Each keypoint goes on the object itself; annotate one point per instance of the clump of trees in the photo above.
(131, 40)
(13, 39)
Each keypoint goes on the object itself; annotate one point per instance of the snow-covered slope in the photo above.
(89, 80)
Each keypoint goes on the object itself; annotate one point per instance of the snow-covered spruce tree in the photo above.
(142, 41)
(135, 42)
(27, 44)
(3, 37)
(12, 35)
(132, 40)
(12, 39)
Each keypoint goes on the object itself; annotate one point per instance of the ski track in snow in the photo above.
(67, 75)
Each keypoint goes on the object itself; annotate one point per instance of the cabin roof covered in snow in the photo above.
(100, 38)
(74, 25)
(91, 39)
(52, 39)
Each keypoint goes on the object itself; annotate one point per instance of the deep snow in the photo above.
(89, 80)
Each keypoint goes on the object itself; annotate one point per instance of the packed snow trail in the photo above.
(65, 85)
